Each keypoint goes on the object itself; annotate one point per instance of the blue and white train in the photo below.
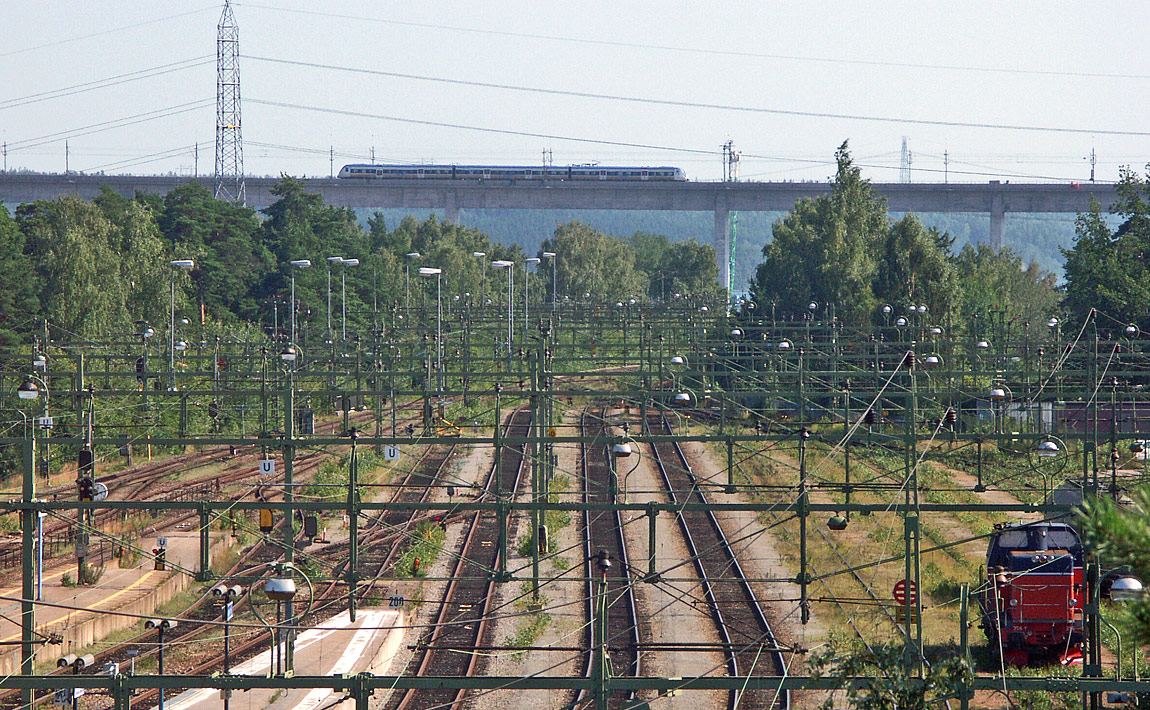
(511, 172)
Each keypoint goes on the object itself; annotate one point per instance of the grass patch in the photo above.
(425, 546)
(536, 621)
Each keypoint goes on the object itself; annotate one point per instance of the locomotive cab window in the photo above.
(1013, 540)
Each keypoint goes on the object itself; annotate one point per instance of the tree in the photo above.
(221, 237)
(592, 262)
(74, 253)
(142, 251)
(1108, 271)
(887, 682)
(1120, 535)
(19, 306)
(825, 249)
(915, 268)
(999, 281)
(675, 267)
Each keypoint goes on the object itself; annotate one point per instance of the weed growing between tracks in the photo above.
(537, 620)
(555, 520)
(425, 546)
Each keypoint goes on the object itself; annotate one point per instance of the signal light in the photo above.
(86, 488)
(86, 462)
(160, 561)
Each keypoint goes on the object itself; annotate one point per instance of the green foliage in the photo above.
(1121, 536)
(841, 249)
(887, 680)
(915, 269)
(1107, 270)
(991, 280)
(425, 546)
(221, 237)
(73, 250)
(826, 249)
(686, 267)
(592, 262)
(19, 305)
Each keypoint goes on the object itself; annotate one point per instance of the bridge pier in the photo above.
(997, 218)
(722, 241)
(451, 207)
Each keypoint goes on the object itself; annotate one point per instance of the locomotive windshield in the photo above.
(1013, 540)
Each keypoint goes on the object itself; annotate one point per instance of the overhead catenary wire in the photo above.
(1095, 131)
(550, 38)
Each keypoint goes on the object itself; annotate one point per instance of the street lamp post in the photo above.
(28, 390)
(330, 260)
(343, 289)
(554, 270)
(504, 264)
(428, 272)
(177, 265)
(407, 281)
(482, 256)
(282, 590)
(531, 260)
(296, 264)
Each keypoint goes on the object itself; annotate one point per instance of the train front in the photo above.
(1034, 594)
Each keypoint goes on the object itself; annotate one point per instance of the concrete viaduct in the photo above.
(720, 198)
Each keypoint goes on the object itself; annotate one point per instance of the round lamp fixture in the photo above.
(28, 390)
(1047, 449)
(281, 589)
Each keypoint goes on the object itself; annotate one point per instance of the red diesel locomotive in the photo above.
(1034, 593)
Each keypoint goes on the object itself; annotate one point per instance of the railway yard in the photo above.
(631, 506)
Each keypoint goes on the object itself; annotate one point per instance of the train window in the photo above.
(1013, 539)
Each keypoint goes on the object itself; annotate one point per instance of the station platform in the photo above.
(337, 647)
(79, 614)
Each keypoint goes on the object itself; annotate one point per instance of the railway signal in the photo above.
(86, 462)
(904, 589)
(160, 561)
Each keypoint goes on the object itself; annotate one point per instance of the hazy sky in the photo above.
(661, 83)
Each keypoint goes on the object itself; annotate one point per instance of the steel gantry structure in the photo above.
(745, 381)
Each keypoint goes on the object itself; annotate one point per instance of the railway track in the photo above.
(750, 645)
(603, 533)
(460, 618)
(140, 483)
